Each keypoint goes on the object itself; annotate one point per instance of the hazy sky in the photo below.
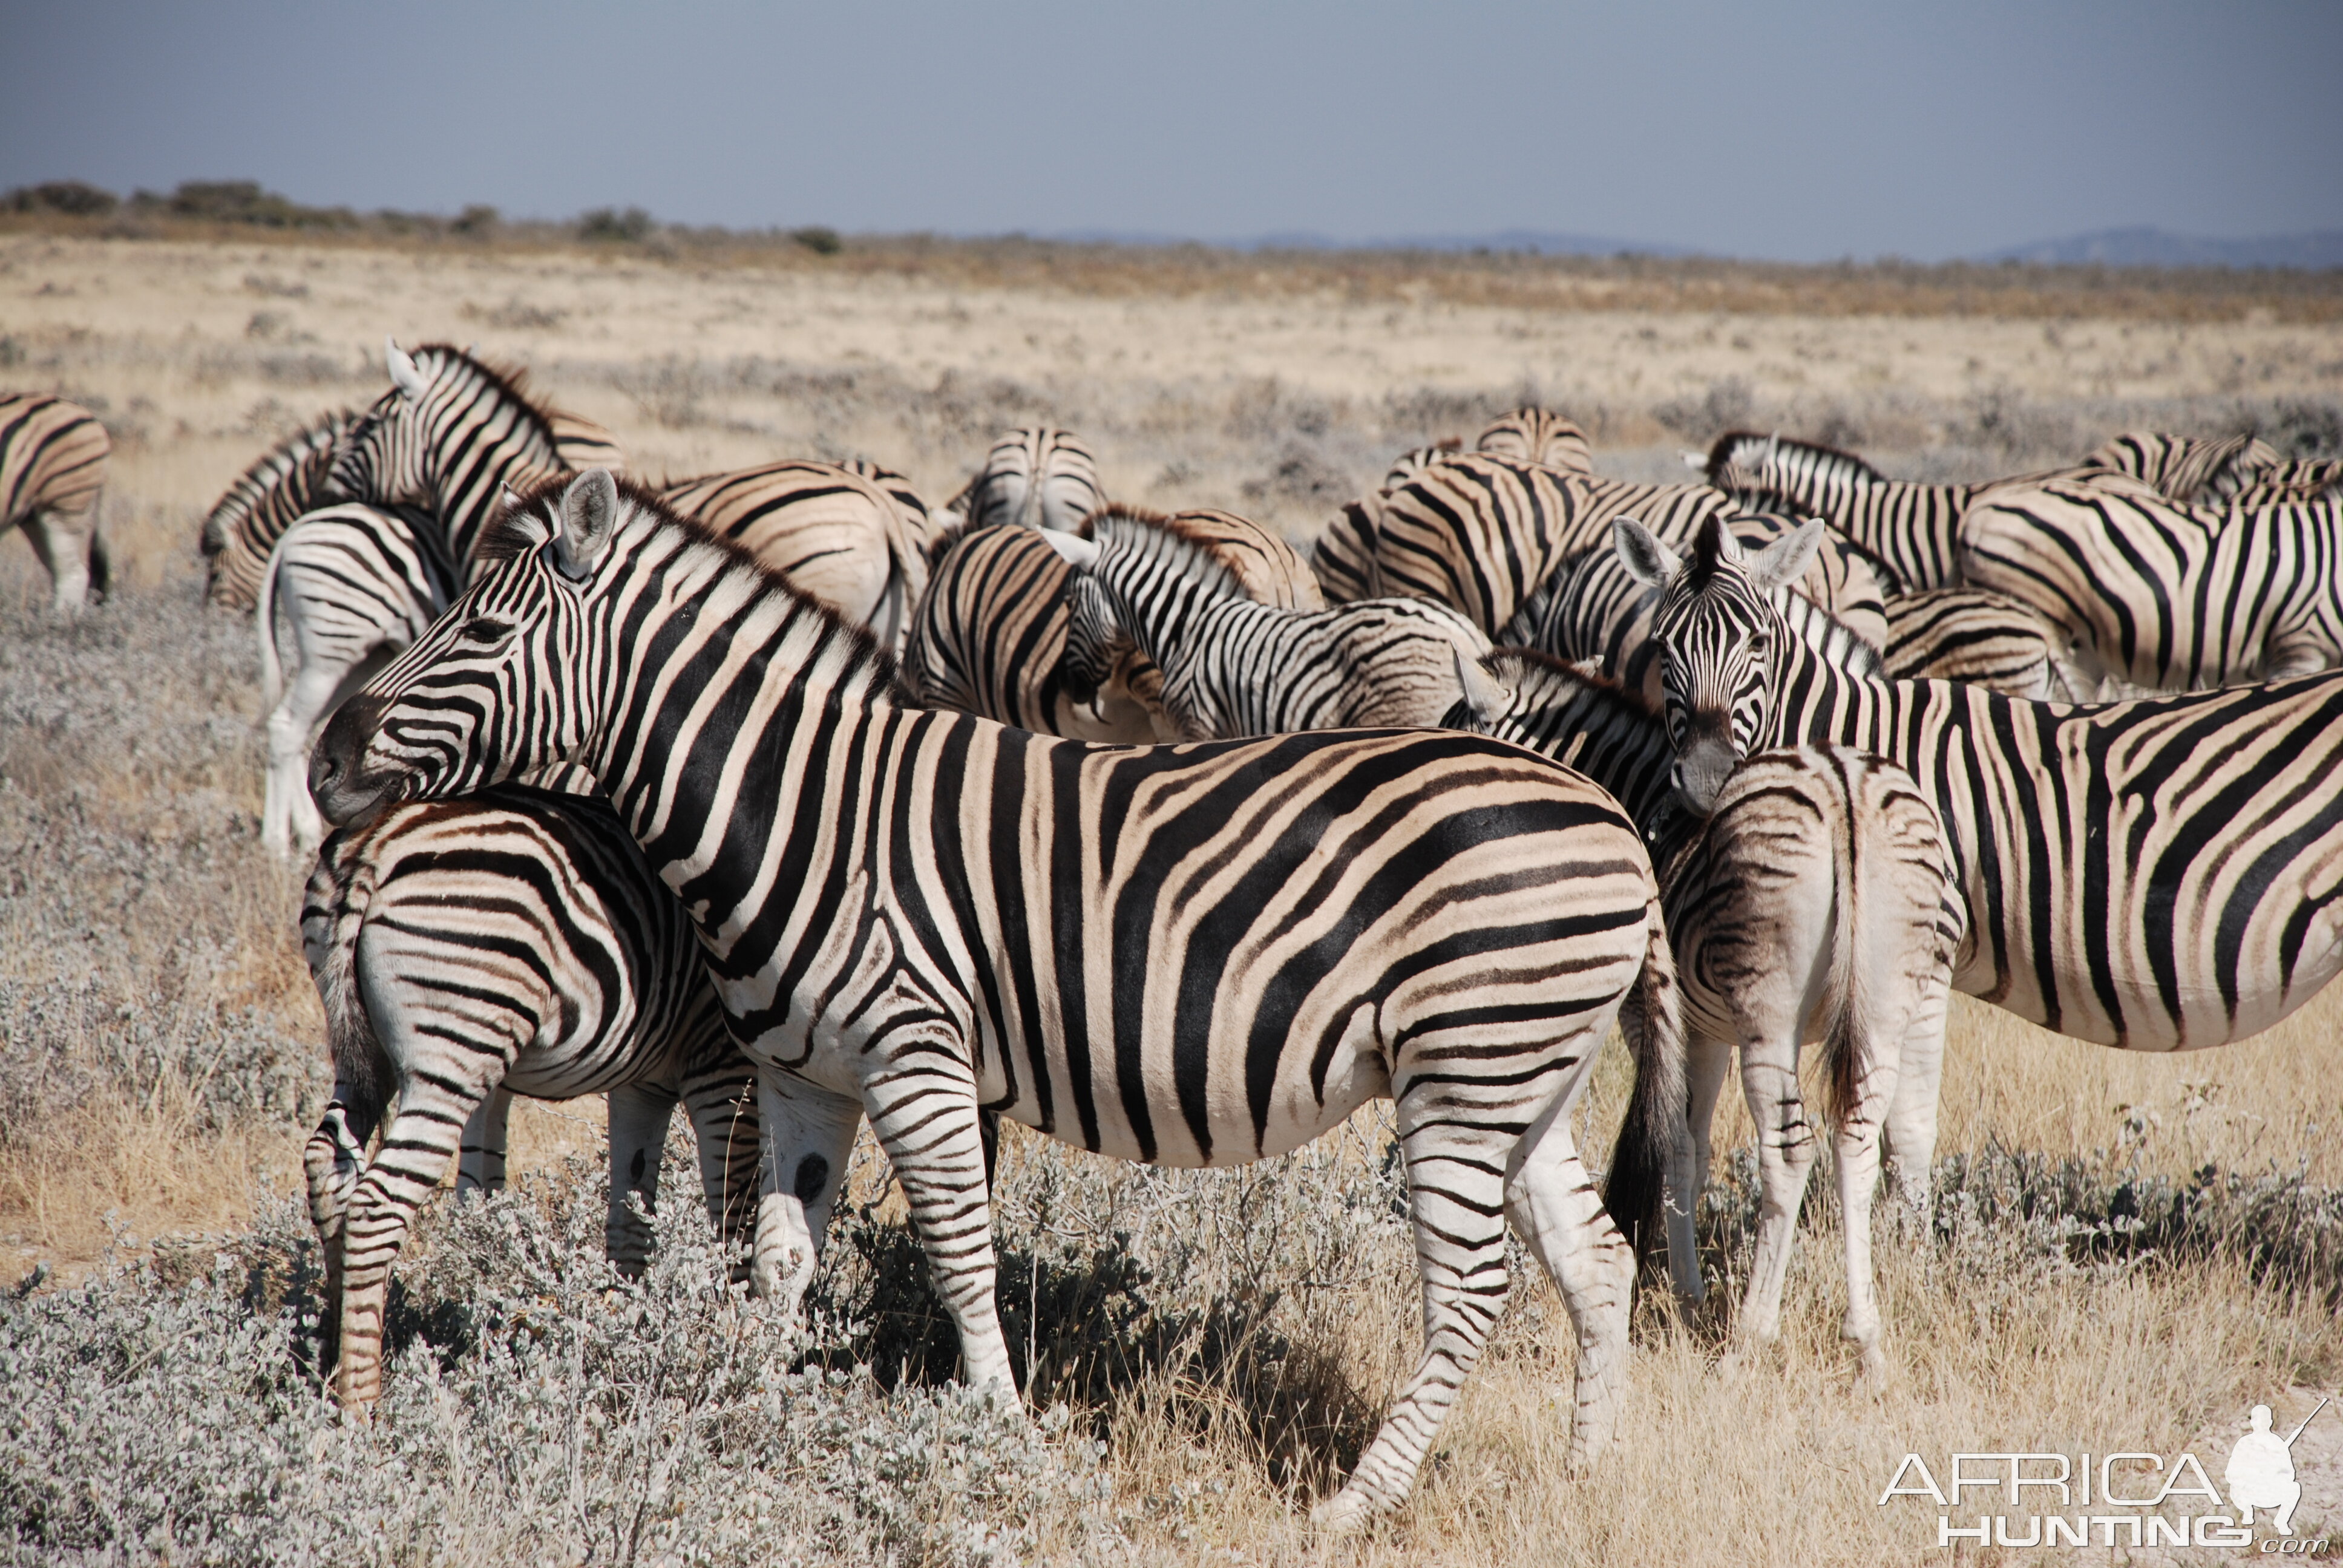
(1797, 130)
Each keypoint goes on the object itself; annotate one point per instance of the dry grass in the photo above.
(154, 966)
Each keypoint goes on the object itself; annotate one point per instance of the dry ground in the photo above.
(160, 1026)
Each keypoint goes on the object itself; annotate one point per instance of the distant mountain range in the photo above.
(2140, 247)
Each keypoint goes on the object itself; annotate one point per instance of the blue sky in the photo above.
(1799, 131)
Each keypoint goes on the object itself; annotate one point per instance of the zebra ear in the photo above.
(1647, 561)
(1484, 694)
(404, 372)
(589, 516)
(1786, 560)
(1080, 553)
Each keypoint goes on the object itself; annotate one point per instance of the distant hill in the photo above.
(1539, 241)
(2143, 247)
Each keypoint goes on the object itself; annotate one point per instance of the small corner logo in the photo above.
(2137, 1496)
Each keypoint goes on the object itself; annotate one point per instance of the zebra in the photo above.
(1039, 476)
(1536, 434)
(1413, 461)
(1233, 667)
(2185, 468)
(839, 534)
(1593, 608)
(1182, 955)
(920, 520)
(269, 497)
(1977, 635)
(1479, 532)
(53, 458)
(1817, 902)
(2165, 596)
(466, 951)
(2154, 875)
(2294, 479)
(988, 638)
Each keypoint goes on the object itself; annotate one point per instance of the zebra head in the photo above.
(449, 428)
(1095, 641)
(1719, 631)
(496, 687)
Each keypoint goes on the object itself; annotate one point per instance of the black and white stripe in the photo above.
(253, 513)
(53, 458)
(1183, 955)
(1037, 476)
(514, 942)
(1975, 635)
(1536, 434)
(2155, 875)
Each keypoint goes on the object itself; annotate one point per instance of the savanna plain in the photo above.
(2124, 1251)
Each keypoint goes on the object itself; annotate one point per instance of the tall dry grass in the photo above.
(2128, 1249)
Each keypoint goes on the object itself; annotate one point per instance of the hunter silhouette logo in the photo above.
(2125, 1498)
(2261, 1471)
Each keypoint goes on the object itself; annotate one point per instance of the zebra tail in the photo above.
(1656, 1137)
(101, 565)
(335, 914)
(1842, 1020)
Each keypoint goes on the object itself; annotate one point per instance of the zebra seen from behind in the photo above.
(53, 458)
(1816, 903)
(2155, 875)
(1037, 476)
(1183, 955)
(1234, 667)
(1536, 434)
(513, 942)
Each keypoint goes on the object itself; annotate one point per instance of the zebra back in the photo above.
(1038, 477)
(988, 638)
(834, 532)
(583, 444)
(1262, 566)
(1975, 636)
(53, 456)
(1538, 434)
(1407, 464)
(245, 524)
(2183, 469)
(1911, 530)
(2296, 479)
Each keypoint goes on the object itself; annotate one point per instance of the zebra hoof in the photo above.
(1347, 1513)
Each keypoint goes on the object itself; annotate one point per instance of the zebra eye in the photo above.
(485, 633)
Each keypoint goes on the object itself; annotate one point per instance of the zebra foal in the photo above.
(53, 458)
(1182, 955)
(1816, 903)
(513, 942)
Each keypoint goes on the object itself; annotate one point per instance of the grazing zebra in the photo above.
(52, 469)
(1537, 435)
(2167, 597)
(2295, 480)
(2155, 875)
(245, 524)
(988, 638)
(1977, 636)
(514, 942)
(835, 534)
(1039, 476)
(347, 588)
(2184, 468)
(1480, 532)
(1816, 903)
(1233, 667)
(1592, 609)
(1183, 955)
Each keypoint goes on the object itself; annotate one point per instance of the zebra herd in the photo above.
(787, 796)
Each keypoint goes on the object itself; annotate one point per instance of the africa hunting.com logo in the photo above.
(2140, 1497)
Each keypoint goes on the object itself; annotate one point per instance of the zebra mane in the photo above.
(1156, 536)
(309, 447)
(527, 522)
(510, 382)
(1545, 681)
(1829, 461)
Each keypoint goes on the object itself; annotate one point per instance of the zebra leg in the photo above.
(1787, 1149)
(725, 1127)
(1911, 1127)
(807, 1134)
(639, 1113)
(1456, 1177)
(932, 1133)
(1708, 1060)
(419, 1144)
(481, 1165)
(288, 816)
(62, 540)
(333, 1159)
(1558, 1213)
(1856, 1144)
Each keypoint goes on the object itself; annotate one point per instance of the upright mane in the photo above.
(1543, 681)
(510, 382)
(1158, 537)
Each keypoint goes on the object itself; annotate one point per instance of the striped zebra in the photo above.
(1480, 532)
(1182, 955)
(52, 471)
(1818, 903)
(1980, 637)
(1593, 608)
(2185, 468)
(1409, 464)
(2295, 479)
(988, 638)
(1536, 434)
(514, 942)
(1038, 477)
(253, 513)
(2167, 597)
(1233, 667)
(838, 534)
(2154, 875)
